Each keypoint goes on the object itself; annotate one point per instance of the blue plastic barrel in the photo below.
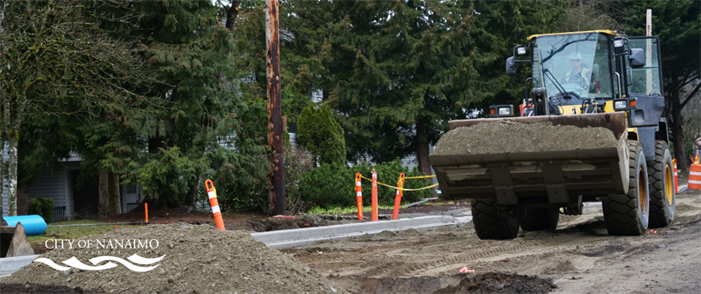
(33, 224)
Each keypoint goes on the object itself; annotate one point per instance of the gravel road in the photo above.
(580, 257)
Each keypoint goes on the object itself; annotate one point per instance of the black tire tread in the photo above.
(620, 211)
(489, 224)
(658, 200)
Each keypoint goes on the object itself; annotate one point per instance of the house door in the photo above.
(86, 197)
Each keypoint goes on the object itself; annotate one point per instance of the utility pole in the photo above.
(648, 53)
(276, 199)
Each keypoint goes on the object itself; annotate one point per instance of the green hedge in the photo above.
(334, 184)
(44, 207)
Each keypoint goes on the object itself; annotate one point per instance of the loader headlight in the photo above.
(625, 104)
(501, 110)
(618, 43)
(620, 105)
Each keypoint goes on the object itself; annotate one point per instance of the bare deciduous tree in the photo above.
(57, 60)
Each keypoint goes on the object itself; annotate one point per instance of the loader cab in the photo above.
(579, 72)
(573, 67)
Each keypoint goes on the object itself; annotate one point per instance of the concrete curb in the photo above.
(301, 237)
(10, 265)
(682, 188)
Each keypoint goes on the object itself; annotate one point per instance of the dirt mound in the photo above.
(511, 137)
(501, 283)
(196, 259)
(38, 288)
(276, 223)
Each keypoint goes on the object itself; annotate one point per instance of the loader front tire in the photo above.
(490, 223)
(540, 219)
(661, 176)
(628, 214)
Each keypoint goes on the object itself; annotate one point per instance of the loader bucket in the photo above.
(13, 242)
(553, 176)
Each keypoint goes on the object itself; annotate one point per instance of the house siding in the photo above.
(48, 185)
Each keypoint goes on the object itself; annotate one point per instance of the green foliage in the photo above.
(499, 27)
(322, 135)
(337, 210)
(241, 177)
(43, 207)
(65, 72)
(334, 184)
(165, 175)
(298, 162)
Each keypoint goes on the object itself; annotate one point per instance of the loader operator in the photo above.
(579, 75)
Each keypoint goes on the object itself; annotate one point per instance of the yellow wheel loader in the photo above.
(603, 92)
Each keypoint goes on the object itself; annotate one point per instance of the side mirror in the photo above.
(511, 66)
(637, 58)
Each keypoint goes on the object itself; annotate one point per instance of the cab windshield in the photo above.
(574, 63)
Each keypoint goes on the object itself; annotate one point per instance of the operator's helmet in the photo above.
(575, 56)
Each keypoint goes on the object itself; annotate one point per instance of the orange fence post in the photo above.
(375, 217)
(676, 186)
(359, 195)
(212, 193)
(146, 210)
(398, 198)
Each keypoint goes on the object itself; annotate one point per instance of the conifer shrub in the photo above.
(321, 135)
(44, 207)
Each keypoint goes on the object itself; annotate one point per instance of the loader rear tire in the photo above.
(489, 223)
(540, 219)
(628, 214)
(661, 176)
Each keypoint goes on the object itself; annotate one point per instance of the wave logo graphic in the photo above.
(75, 263)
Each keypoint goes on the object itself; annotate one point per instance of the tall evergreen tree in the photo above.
(401, 71)
(500, 26)
(187, 42)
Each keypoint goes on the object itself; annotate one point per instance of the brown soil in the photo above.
(501, 283)
(259, 222)
(511, 137)
(39, 288)
(298, 222)
(580, 257)
(198, 259)
(232, 221)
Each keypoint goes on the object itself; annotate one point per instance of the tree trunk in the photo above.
(422, 147)
(2, 155)
(115, 203)
(12, 173)
(3, 124)
(678, 137)
(678, 133)
(104, 195)
(192, 194)
(22, 201)
(231, 15)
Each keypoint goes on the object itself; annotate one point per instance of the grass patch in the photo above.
(75, 222)
(73, 232)
(439, 203)
(348, 210)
